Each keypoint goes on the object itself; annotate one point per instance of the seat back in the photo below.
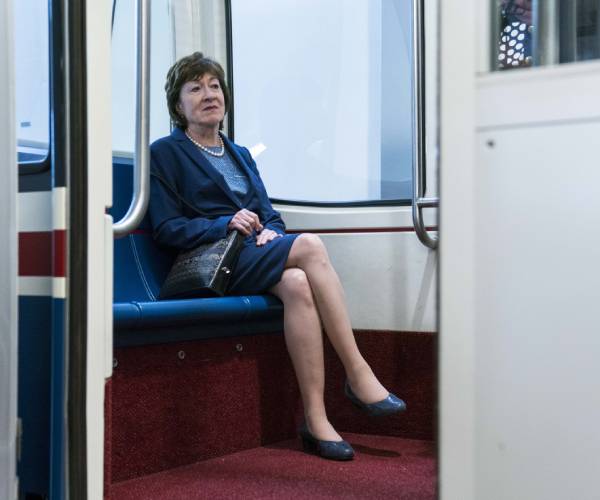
(140, 265)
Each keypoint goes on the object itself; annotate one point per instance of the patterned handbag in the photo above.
(204, 271)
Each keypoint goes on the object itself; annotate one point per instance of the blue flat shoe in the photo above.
(332, 450)
(388, 406)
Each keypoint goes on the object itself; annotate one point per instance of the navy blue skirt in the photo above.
(259, 268)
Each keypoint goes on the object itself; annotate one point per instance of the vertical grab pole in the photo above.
(141, 168)
(419, 201)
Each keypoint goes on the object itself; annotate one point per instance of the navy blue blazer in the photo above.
(190, 201)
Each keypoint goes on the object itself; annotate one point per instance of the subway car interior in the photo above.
(443, 152)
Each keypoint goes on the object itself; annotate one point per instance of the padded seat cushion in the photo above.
(170, 313)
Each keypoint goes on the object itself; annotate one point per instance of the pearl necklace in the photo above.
(205, 149)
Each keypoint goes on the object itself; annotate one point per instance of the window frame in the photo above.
(396, 202)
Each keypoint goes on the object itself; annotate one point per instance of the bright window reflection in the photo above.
(324, 91)
(32, 79)
(123, 61)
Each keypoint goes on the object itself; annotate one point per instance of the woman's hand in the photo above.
(245, 222)
(265, 236)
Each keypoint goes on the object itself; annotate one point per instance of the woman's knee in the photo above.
(294, 286)
(312, 247)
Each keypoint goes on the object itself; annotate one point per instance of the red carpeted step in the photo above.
(384, 468)
(176, 404)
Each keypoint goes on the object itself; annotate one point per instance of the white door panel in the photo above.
(519, 334)
(536, 320)
(531, 344)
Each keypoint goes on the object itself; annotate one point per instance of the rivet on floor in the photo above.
(115, 363)
(181, 354)
(239, 347)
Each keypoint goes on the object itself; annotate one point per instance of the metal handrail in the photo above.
(141, 164)
(419, 200)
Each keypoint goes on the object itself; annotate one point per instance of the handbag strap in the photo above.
(183, 200)
(246, 154)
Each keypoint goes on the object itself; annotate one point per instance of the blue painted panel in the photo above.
(41, 395)
(35, 315)
(57, 406)
(40, 181)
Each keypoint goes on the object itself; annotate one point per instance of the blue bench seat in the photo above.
(142, 315)
(140, 268)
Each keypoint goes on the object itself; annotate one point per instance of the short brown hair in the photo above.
(189, 69)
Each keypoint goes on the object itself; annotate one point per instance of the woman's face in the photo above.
(202, 102)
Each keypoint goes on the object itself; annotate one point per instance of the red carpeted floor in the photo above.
(165, 410)
(384, 468)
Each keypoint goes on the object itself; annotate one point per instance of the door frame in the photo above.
(458, 65)
(8, 261)
(99, 263)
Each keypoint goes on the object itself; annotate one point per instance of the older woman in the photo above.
(199, 164)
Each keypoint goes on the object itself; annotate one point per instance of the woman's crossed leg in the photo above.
(311, 292)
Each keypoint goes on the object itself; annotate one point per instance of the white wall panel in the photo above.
(389, 279)
(538, 337)
(539, 95)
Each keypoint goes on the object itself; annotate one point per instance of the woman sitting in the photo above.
(199, 164)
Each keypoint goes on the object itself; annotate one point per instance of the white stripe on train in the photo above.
(42, 210)
(42, 286)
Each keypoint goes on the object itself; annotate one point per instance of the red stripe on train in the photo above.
(42, 253)
(60, 253)
(404, 229)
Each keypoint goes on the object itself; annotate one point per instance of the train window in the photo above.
(123, 62)
(201, 25)
(32, 80)
(323, 95)
(531, 33)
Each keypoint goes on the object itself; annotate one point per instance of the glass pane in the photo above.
(123, 62)
(579, 23)
(324, 96)
(543, 32)
(32, 80)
